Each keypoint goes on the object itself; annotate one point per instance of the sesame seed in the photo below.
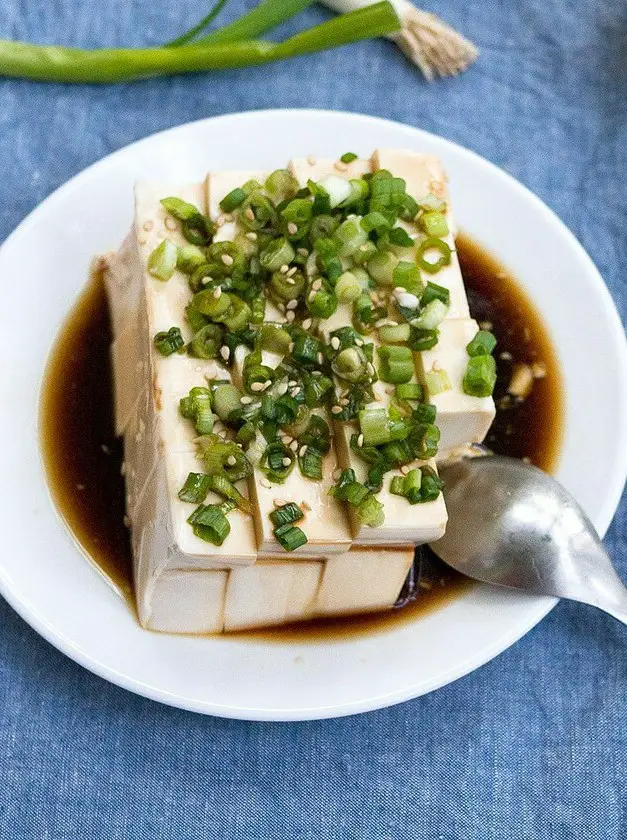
(306, 323)
(311, 296)
(316, 285)
(294, 446)
(359, 342)
(284, 268)
(248, 212)
(486, 325)
(279, 502)
(228, 217)
(142, 240)
(286, 461)
(335, 343)
(296, 392)
(227, 259)
(336, 409)
(316, 372)
(311, 160)
(217, 292)
(360, 440)
(127, 521)
(340, 166)
(381, 323)
(170, 223)
(231, 460)
(266, 385)
(292, 228)
(291, 304)
(436, 366)
(507, 357)
(251, 235)
(303, 450)
(287, 439)
(225, 352)
(303, 252)
(290, 347)
(206, 280)
(290, 280)
(292, 383)
(292, 271)
(148, 225)
(344, 401)
(364, 247)
(221, 219)
(405, 469)
(245, 400)
(290, 316)
(265, 483)
(257, 386)
(282, 389)
(320, 358)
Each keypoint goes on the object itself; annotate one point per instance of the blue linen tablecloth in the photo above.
(534, 744)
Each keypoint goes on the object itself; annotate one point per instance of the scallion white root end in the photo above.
(432, 45)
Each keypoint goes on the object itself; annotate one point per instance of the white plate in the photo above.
(43, 266)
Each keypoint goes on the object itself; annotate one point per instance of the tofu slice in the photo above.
(188, 602)
(159, 443)
(326, 523)
(273, 591)
(404, 523)
(424, 174)
(362, 580)
(462, 419)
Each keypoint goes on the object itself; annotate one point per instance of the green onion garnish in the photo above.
(396, 364)
(290, 537)
(162, 261)
(223, 457)
(432, 243)
(233, 200)
(347, 288)
(399, 236)
(394, 333)
(407, 276)
(279, 252)
(348, 157)
(381, 268)
(349, 237)
(482, 344)
(169, 342)
(210, 524)
(431, 316)
(420, 340)
(277, 462)
(434, 224)
(480, 377)
(436, 382)
(207, 341)
(226, 399)
(281, 185)
(310, 463)
(286, 514)
(351, 364)
(189, 258)
(222, 485)
(409, 391)
(378, 427)
(435, 292)
(195, 488)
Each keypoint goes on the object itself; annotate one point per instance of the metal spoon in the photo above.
(512, 525)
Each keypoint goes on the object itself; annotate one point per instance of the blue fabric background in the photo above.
(533, 745)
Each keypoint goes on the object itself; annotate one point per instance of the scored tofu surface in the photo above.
(187, 585)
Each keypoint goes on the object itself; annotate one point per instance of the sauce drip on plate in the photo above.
(83, 458)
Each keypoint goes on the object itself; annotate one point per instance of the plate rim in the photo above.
(59, 640)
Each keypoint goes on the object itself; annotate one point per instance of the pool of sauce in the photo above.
(83, 457)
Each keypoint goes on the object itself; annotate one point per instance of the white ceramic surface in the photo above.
(47, 580)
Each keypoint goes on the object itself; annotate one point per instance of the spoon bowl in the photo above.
(512, 525)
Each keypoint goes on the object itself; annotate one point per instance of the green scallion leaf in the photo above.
(209, 523)
(162, 261)
(286, 514)
(169, 342)
(290, 537)
(482, 344)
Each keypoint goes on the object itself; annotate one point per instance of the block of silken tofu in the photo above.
(188, 602)
(423, 175)
(403, 523)
(326, 520)
(362, 580)
(273, 591)
(461, 418)
(158, 443)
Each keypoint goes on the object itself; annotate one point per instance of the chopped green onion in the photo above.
(183, 211)
(482, 344)
(281, 185)
(296, 218)
(425, 413)
(420, 340)
(328, 258)
(274, 338)
(305, 350)
(433, 244)
(207, 341)
(233, 200)
(254, 373)
(394, 333)
(409, 391)
(290, 537)
(226, 399)
(286, 514)
(257, 212)
(431, 486)
(223, 457)
(169, 342)
(323, 304)
(284, 288)
(323, 227)
(381, 268)
(347, 288)
(378, 427)
(277, 462)
(399, 236)
(370, 512)
(397, 485)
(351, 364)
(162, 261)
(431, 316)
(349, 237)
(310, 463)
(435, 292)
(436, 382)
(348, 157)
(316, 390)
(364, 253)
(432, 203)
(208, 304)
(189, 258)
(407, 276)
(224, 259)
(210, 524)
(396, 364)
(257, 309)
(220, 484)
(434, 224)
(237, 315)
(480, 376)
(279, 252)
(196, 406)
(375, 222)
(195, 489)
